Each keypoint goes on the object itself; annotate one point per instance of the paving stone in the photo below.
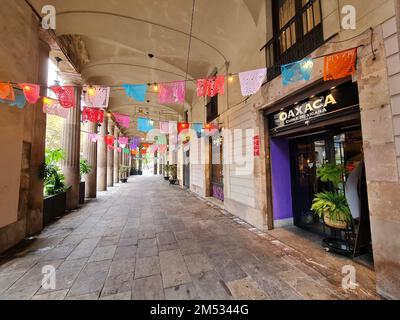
(147, 234)
(184, 234)
(91, 279)
(61, 252)
(55, 295)
(146, 267)
(150, 288)
(103, 253)
(89, 297)
(189, 246)
(84, 249)
(246, 289)
(209, 286)
(108, 241)
(164, 238)
(273, 286)
(6, 280)
(118, 296)
(226, 267)
(197, 263)
(181, 292)
(173, 269)
(125, 252)
(147, 248)
(125, 242)
(168, 247)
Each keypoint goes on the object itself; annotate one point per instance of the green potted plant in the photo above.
(54, 202)
(332, 206)
(333, 209)
(173, 170)
(166, 172)
(84, 168)
(124, 170)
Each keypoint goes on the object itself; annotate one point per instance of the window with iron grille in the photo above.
(297, 26)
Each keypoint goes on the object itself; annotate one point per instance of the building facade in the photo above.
(363, 128)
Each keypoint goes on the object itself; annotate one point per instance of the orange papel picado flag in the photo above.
(340, 65)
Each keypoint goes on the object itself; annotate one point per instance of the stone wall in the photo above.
(22, 131)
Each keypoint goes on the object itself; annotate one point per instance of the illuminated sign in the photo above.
(315, 108)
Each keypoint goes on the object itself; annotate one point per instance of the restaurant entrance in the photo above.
(317, 165)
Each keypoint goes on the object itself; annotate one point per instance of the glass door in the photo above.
(217, 176)
(308, 154)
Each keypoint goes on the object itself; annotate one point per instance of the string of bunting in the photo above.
(336, 66)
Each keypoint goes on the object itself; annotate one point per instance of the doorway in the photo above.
(186, 168)
(216, 167)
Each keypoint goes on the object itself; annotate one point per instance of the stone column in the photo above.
(110, 158)
(34, 220)
(90, 154)
(71, 146)
(120, 162)
(130, 163)
(102, 159)
(116, 156)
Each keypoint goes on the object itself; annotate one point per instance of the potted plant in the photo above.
(134, 172)
(54, 202)
(124, 173)
(84, 168)
(333, 209)
(332, 206)
(173, 169)
(166, 172)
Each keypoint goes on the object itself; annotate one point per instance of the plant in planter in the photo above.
(54, 203)
(53, 178)
(84, 168)
(330, 206)
(333, 209)
(124, 173)
(166, 171)
(173, 170)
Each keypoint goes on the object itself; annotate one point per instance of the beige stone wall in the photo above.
(22, 131)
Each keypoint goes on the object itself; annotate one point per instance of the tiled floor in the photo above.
(149, 240)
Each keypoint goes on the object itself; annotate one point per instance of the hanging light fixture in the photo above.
(91, 91)
(230, 77)
(155, 87)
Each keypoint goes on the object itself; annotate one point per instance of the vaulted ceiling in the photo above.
(119, 35)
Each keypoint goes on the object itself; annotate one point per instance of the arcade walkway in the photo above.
(149, 240)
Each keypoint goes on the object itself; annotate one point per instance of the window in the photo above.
(297, 28)
(212, 109)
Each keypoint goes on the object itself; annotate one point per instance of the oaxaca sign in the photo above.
(316, 108)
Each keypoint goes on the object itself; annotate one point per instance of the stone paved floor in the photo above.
(149, 240)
